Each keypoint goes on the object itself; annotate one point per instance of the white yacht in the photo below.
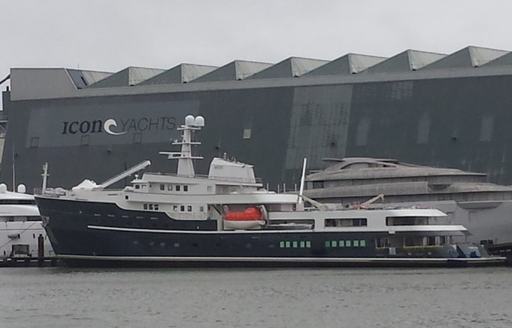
(21, 230)
(228, 218)
(466, 197)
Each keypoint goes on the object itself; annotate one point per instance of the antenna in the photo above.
(302, 181)
(13, 170)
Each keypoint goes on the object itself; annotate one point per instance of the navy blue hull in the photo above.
(90, 232)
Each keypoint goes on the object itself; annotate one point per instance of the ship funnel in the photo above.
(22, 189)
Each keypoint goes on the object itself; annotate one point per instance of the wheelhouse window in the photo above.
(406, 221)
(355, 222)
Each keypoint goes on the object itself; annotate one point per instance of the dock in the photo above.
(29, 262)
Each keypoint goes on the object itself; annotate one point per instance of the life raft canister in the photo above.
(249, 214)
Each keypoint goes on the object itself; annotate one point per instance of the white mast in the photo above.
(45, 177)
(185, 157)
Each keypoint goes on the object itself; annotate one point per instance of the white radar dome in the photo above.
(189, 120)
(22, 189)
(199, 121)
(3, 188)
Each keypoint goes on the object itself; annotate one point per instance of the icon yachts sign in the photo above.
(118, 127)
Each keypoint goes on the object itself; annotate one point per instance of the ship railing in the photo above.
(205, 176)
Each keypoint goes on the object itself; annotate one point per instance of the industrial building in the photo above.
(447, 110)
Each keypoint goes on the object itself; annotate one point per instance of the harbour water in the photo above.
(61, 297)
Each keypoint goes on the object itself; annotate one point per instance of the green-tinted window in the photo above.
(348, 243)
(295, 244)
(362, 243)
(287, 244)
(341, 243)
(281, 244)
(334, 243)
(308, 244)
(327, 244)
(356, 243)
(302, 244)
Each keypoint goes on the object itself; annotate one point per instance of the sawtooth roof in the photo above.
(290, 67)
(127, 77)
(467, 57)
(235, 70)
(347, 64)
(409, 60)
(182, 73)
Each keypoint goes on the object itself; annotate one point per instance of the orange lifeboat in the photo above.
(250, 218)
(249, 214)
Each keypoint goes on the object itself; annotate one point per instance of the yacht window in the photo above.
(182, 208)
(334, 243)
(162, 187)
(341, 243)
(356, 243)
(295, 244)
(175, 208)
(156, 207)
(308, 244)
(362, 243)
(150, 206)
(185, 188)
(302, 244)
(201, 208)
(348, 243)
(406, 220)
(137, 186)
(189, 208)
(178, 187)
(281, 244)
(287, 244)
(145, 206)
(358, 222)
(327, 244)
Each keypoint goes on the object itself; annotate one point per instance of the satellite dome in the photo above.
(189, 120)
(22, 189)
(199, 121)
(3, 188)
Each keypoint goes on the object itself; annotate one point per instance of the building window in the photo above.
(363, 128)
(247, 134)
(356, 222)
(486, 128)
(423, 129)
(34, 142)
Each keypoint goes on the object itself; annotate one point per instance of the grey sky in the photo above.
(111, 35)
